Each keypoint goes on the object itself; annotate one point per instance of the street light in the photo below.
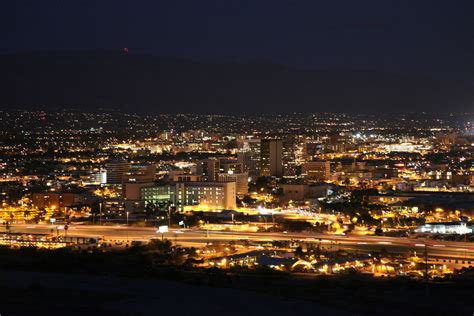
(169, 216)
(53, 221)
(127, 218)
(100, 213)
(162, 230)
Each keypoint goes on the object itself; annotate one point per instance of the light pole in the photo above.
(162, 230)
(53, 221)
(100, 213)
(169, 216)
(127, 217)
(426, 262)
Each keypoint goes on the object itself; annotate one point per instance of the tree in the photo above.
(350, 228)
(164, 246)
(383, 252)
(296, 225)
(248, 200)
(318, 251)
(299, 252)
(262, 183)
(361, 196)
(378, 231)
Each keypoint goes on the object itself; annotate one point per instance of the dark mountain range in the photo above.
(139, 83)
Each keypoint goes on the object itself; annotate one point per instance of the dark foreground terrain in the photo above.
(39, 293)
(48, 293)
(154, 280)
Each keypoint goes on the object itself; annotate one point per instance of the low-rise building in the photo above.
(59, 199)
(301, 192)
(202, 195)
(459, 227)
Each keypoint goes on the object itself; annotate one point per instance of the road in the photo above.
(194, 237)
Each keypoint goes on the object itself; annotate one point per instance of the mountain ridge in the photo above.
(144, 83)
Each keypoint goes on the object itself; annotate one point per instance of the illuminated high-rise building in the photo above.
(317, 170)
(208, 169)
(240, 179)
(115, 171)
(271, 151)
(249, 156)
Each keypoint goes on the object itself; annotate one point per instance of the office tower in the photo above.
(138, 177)
(289, 144)
(317, 170)
(240, 179)
(140, 173)
(249, 156)
(115, 171)
(271, 157)
(99, 177)
(208, 169)
(232, 165)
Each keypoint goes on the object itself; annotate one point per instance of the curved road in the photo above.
(194, 237)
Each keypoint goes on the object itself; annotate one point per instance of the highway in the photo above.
(194, 237)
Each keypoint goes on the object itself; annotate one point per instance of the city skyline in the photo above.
(236, 157)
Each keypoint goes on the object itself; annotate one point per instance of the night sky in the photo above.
(238, 56)
(431, 37)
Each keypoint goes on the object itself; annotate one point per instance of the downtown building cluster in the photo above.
(130, 163)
